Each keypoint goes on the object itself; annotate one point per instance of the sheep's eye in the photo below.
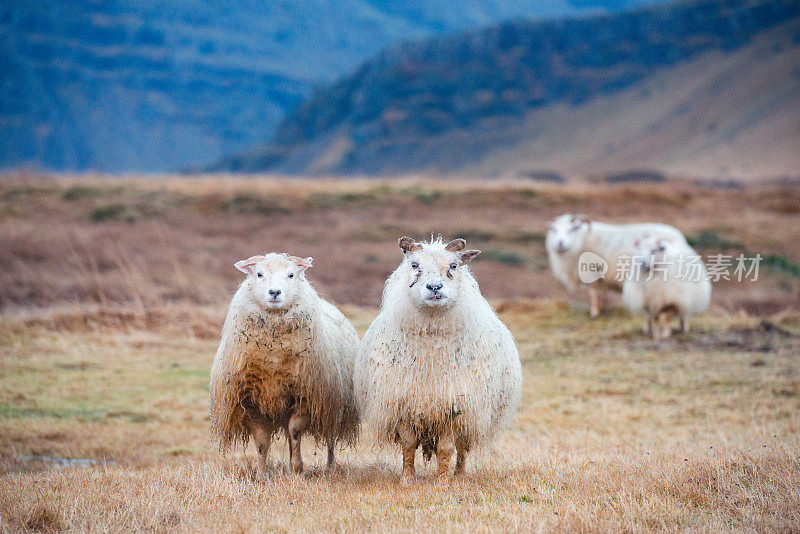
(260, 275)
(453, 266)
(414, 265)
(291, 275)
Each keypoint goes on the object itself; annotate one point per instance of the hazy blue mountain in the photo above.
(450, 103)
(144, 85)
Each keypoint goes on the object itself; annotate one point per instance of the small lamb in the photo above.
(668, 279)
(285, 362)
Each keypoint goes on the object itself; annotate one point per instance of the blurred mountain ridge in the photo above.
(703, 88)
(155, 86)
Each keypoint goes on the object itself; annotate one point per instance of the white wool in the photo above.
(438, 370)
(609, 241)
(301, 354)
(667, 286)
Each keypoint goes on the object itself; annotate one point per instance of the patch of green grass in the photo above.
(192, 371)
(115, 212)
(475, 235)
(25, 190)
(527, 236)
(250, 203)
(81, 414)
(710, 239)
(179, 451)
(428, 196)
(527, 193)
(781, 263)
(330, 200)
(81, 191)
(504, 257)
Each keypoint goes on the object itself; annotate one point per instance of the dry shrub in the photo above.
(42, 518)
(197, 322)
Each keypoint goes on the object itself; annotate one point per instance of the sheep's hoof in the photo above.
(442, 479)
(333, 469)
(297, 469)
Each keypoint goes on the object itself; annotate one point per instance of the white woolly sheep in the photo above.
(569, 236)
(437, 367)
(285, 361)
(668, 279)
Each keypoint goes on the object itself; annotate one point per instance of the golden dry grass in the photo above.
(142, 242)
(112, 295)
(615, 432)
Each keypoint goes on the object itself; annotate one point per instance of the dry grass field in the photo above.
(113, 291)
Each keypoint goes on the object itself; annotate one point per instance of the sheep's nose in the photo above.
(274, 292)
(561, 243)
(434, 286)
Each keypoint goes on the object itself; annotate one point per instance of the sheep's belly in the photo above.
(464, 409)
(268, 383)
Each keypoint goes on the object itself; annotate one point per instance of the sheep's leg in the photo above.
(331, 458)
(594, 299)
(298, 424)
(263, 437)
(461, 457)
(444, 452)
(684, 324)
(662, 328)
(656, 328)
(649, 327)
(667, 326)
(409, 442)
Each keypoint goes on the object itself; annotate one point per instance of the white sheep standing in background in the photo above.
(285, 362)
(437, 367)
(668, 279)
(569, 236)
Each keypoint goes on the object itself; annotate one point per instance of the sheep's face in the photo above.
(567, 233)
(652, 251)
(274, 280)
(433, 272)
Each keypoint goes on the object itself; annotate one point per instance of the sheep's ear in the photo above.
(455, 245)
(246, 266)
(303, 263)
(408, 244)
(581, 218)
(468, 255)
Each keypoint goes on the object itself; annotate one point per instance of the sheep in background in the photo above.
(437, 367)
(569, 236)
(285, 362)
(668, 279)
